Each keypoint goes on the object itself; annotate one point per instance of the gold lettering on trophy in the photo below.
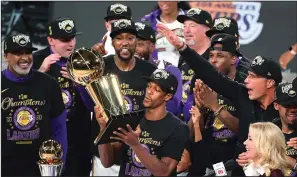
(8, 102)
(132, 92)
(23, 142)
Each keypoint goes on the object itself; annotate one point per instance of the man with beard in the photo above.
(196, 23)
(156, 146)
(32, 110)
(52, 60)
(129, 70)
(253, 101)
(114, 12)
(144, 50)
(286, 104)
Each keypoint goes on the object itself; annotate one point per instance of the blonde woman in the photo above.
(265, 148)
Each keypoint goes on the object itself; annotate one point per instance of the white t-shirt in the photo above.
(108, 46)
(166, 51)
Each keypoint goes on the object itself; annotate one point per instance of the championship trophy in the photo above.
(50, 163)
(86, 67)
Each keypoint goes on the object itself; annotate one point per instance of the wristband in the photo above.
(218, 111)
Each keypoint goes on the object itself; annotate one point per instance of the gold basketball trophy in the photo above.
(50, 163)
(86, 67)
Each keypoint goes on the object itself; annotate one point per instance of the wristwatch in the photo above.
(292, 51)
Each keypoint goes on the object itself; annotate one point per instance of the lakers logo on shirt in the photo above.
(129, 104)
(186, 91)
(135, 158)
(24, 118)
(67, 99)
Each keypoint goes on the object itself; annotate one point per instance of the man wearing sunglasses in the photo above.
(52, 60)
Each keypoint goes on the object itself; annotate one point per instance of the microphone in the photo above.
(230, 165)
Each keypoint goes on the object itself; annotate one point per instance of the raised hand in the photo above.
(100, 47)
(207, 97)
(48, 61)
(170, 36)
(195, 115)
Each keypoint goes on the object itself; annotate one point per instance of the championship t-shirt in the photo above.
(26, 110)
(78, 116)
(166, 137)
(132, 86)
(291, 151)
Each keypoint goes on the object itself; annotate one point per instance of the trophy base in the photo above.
(115, 122)
(50, 170)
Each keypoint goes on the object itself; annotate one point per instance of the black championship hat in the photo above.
(229, 43)
(295, 83)
(224, 25)
(198, 15)
(17, 43)
(167, 81)
(145, 32)
(286, 95)
(122, 26)
(118, 11)
(266, 68)
(62, 27)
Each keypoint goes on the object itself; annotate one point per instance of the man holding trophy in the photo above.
(156, 146)
(121, 89)
(32, 110)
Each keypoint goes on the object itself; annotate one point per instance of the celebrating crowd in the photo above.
(205, 102)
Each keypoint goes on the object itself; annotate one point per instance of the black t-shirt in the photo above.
(26, 110)
(188, 76)
(163, 138)
(220, 142)
(78, 116)
(248, 110)
(291, 151)
(132, 86)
